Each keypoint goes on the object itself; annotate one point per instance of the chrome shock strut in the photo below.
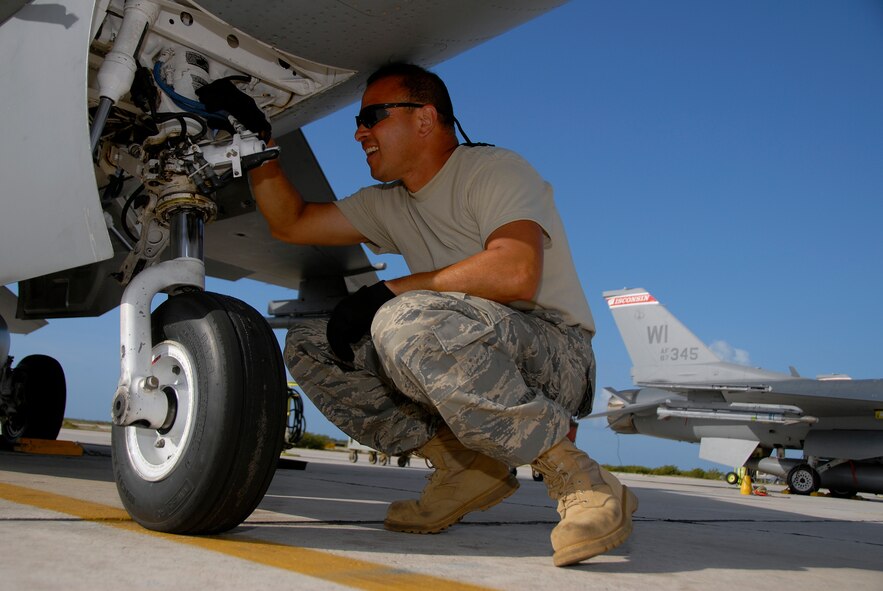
(139, 398)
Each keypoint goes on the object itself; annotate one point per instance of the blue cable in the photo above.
(189, 105)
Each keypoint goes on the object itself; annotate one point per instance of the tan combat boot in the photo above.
(463, 481)
(596, 510)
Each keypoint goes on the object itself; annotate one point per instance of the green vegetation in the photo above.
(314, 441)
(69, 423)
(669, 470)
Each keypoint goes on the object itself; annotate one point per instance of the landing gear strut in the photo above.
(200, 409)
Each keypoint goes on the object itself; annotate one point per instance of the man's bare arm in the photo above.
(507, 270)
(294, 220)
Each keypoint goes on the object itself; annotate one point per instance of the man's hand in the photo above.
(223, 95)
(351, 319)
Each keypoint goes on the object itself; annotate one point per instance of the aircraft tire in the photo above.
(41, 384)
(219, 363)
(803, 480)
(732, 478)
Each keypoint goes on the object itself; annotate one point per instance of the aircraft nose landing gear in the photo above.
(199, 414)
(209, 469)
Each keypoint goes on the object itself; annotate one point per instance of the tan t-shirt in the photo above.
(478, 190)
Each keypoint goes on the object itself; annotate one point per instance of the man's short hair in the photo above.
(421, 85)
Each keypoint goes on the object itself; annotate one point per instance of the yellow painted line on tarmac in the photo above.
(86, 510)
(351, 572)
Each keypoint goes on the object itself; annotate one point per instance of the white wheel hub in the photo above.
(154, 454)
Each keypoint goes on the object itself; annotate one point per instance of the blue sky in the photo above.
(727, 156)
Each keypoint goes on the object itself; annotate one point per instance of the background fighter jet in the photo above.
(742, 415)
(121, 181)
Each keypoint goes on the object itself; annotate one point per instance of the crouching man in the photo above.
(479, 358)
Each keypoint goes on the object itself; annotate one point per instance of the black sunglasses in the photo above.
(371, 115)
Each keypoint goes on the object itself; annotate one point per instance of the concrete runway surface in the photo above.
(63, 527)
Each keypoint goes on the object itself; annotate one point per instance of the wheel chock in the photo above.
(49, 447)
(290, 464)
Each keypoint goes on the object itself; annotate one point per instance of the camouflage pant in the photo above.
(504, 381)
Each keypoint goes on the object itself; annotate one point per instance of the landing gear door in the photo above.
(52, 217)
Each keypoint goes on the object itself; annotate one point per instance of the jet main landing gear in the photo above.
(32, 397)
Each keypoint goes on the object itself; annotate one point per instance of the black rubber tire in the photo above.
(732, 478)
(238, 420)
(803, 480)
(40, 382)
(403, 461)
(354, 456)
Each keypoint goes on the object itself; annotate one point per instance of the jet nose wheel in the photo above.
(209, 465)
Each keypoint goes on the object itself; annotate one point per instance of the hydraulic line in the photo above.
(117, 71)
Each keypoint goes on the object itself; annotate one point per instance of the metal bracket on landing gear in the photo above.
(139, 397)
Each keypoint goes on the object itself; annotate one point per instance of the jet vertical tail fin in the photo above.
(659, 345)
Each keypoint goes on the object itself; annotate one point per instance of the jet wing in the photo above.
(361, 36)
(240, 245)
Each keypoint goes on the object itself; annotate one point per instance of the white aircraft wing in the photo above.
(241, 246)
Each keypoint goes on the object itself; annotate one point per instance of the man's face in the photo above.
(389, 145)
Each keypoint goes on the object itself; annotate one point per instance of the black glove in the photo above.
(223, 95)
(352, 316)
